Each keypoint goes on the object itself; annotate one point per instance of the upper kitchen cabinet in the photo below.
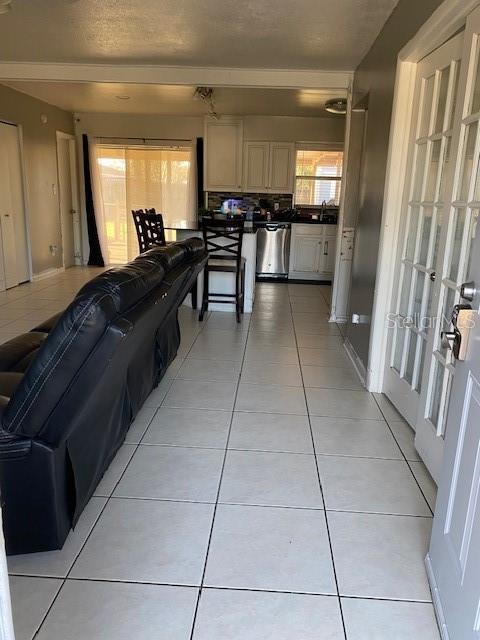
(281, 167)
(268, 167)
(223, 154)
(256, 158)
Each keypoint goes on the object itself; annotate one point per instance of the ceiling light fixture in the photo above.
(205, 94)
(122, 97)
(337, 106)
(5, 6)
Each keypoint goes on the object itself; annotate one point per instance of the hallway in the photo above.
(261, 493)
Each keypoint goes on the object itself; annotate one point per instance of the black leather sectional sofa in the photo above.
(70, 389)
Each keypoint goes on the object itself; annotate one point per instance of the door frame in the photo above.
(77, 244)
(450, 16)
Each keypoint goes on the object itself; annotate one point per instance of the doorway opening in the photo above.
(68, 199)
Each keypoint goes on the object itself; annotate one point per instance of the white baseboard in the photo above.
(48, 273)
(437, 604)
(357, 363)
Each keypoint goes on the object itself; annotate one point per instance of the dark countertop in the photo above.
(310, 221)
(192, 227)
(197, 229)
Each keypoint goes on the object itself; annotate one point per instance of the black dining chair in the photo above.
(149, 228)
(223, 241)
(151, 233)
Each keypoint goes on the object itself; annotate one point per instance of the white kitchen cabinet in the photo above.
(305, 254)
(256, 158)
(312, 251)
(268, 167)
(282, 157)
(223, 154)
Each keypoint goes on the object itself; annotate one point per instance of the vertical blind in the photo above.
(141, 177)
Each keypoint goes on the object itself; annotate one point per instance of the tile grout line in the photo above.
(223, 588)
(329, 536)
(200, 589)
(405, 459)
(108, 499)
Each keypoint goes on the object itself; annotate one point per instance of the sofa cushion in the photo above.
(126, 284)
(16, 354)
(170, 256)
(195, 247)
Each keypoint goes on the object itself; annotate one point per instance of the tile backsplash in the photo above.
(285, 200)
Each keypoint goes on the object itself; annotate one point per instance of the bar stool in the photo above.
(223, 241)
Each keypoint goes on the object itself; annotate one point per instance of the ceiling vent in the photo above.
(337, 106)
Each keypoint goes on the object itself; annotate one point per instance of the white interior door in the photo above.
(69, 209)
(12, 209)
(422, 228)
(454, 557)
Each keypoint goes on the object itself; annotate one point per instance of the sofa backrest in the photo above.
(78, 330)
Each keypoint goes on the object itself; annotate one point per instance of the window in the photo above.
(140, 177)
(318, 177)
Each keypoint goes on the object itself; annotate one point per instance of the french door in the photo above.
(454, 267)
(441, 212)
(421, 238)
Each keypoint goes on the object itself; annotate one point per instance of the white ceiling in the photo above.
(91, 97)
(276, 34)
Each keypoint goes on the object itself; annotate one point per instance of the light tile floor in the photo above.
(261, 494)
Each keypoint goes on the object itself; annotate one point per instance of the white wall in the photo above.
(120, 125)
(40, 161)
(289, 129)
(275, 128)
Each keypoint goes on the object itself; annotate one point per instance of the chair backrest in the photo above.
(149, 228)
(223, 238)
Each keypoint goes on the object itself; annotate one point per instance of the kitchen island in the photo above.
(221, 282)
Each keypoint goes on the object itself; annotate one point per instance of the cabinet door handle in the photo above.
(325, 248)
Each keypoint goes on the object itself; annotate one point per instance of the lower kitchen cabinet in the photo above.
(312, 251)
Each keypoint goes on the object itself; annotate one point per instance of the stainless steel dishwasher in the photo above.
(273, 249)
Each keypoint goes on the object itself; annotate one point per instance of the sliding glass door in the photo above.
(140, 177)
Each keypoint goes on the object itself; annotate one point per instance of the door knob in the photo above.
(468, 290)
(432, 276)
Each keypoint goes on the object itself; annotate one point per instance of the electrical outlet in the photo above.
(53, 249)
(54, 189)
